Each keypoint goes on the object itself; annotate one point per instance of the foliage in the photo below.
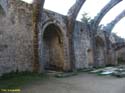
(86, 18)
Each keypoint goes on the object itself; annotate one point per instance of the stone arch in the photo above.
(109, 27)
(105, 10)
(54, 43)
(100, 51)
(75, 8)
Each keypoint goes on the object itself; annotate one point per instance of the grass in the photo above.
(15, 80)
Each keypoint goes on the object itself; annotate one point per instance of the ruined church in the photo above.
(35, 39)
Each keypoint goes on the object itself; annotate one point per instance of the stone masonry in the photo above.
(16, 41)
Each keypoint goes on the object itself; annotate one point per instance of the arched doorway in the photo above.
(100, 56)
(53, 48)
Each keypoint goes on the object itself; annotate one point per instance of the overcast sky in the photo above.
(92, 7)
(28, 1)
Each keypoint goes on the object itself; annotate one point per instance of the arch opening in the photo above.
(53, 48)
(121, 56)
(120, 53)
(100, 51)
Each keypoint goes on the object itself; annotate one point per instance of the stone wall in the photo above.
(16, 37)
(59, 22)
(114, 54)
(100, 48)
(121, 54)
(81, 40)
(82, 44)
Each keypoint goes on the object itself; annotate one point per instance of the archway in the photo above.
(100, 57)
(120, 55)
(53, 48)
(120, 52)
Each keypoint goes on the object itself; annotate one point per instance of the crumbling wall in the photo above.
(82, 44)
(53, 47)
(100, 54)
(51, 18)
(121, 55)
(101, 48)
(112, 53)
(16, 37)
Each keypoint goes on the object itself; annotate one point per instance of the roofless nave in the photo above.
(35, 39)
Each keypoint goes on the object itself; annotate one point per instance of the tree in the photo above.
(85, 18)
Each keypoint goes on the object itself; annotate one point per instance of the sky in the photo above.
(28, 1)
(92, 7)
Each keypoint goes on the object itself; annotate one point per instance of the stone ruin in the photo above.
(61, 42)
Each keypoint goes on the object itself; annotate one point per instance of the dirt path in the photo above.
(82, 83)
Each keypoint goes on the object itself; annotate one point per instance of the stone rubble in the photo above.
(118, 71)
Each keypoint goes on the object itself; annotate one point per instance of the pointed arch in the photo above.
(74, 10)
(104, 10)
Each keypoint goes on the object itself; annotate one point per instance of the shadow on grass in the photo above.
(20, 79)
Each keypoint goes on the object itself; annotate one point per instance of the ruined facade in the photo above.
(92, 47)
(16, 38)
